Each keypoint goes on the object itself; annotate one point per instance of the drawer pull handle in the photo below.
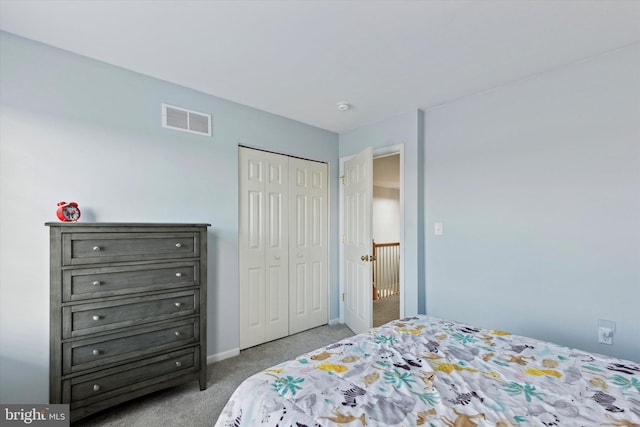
(177, 333)
(96, 352)
(96, 283)
(97, 248)
(97, 317)
(178, 245)
(178, 274)
(96, 387)
(178, 364)
(178, 304)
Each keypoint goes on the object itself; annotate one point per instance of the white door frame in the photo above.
(377, 152)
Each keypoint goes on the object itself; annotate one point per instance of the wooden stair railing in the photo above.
(385, 269)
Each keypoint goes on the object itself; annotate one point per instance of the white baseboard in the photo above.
(236, 351)
(221, 356)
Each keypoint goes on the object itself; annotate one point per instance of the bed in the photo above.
(427, 371)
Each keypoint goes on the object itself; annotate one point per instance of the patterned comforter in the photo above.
(427, 371)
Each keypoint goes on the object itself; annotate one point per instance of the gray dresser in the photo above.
(128, 311)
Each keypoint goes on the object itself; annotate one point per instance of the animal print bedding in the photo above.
(427, 371)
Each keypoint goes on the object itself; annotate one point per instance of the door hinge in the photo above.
(344, 238)
(343, 178)
(343, 297)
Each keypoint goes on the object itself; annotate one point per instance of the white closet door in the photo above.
(277, 246)
(308, 247)
(263, 247)
(252, 248)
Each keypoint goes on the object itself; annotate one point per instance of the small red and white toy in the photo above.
(68, 212)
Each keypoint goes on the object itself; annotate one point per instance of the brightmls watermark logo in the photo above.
(35, 415)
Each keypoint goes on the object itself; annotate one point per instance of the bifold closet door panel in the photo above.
(251, 248)
(277, 246)
(263, 247)
(308, 247)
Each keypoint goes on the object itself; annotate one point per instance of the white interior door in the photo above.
(358, 186)
(308, 247)
(263, 247)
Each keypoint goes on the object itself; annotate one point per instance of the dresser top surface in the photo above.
(124, 224)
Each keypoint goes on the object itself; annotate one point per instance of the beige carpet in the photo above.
(187, 406)
(386, 310)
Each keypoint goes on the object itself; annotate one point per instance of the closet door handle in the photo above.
(364, 257)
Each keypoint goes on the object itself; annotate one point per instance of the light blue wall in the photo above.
(78, 129)
(538, 186)
(401, 130)
(536, 183)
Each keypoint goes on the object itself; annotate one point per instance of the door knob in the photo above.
(364, 257)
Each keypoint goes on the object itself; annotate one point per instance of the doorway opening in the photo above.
(386, 232)
(356, 263)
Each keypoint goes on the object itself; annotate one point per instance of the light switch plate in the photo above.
(437, 229)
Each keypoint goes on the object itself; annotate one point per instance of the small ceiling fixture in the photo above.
(343, 106)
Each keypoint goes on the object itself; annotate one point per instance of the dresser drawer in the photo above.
(83, 319)
(108, 383)
(91, 248)
(93, 352)
(86, 283)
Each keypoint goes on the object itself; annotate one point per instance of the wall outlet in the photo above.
(605, 335)
(606, 329)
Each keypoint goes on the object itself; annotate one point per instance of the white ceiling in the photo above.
(298, 59)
